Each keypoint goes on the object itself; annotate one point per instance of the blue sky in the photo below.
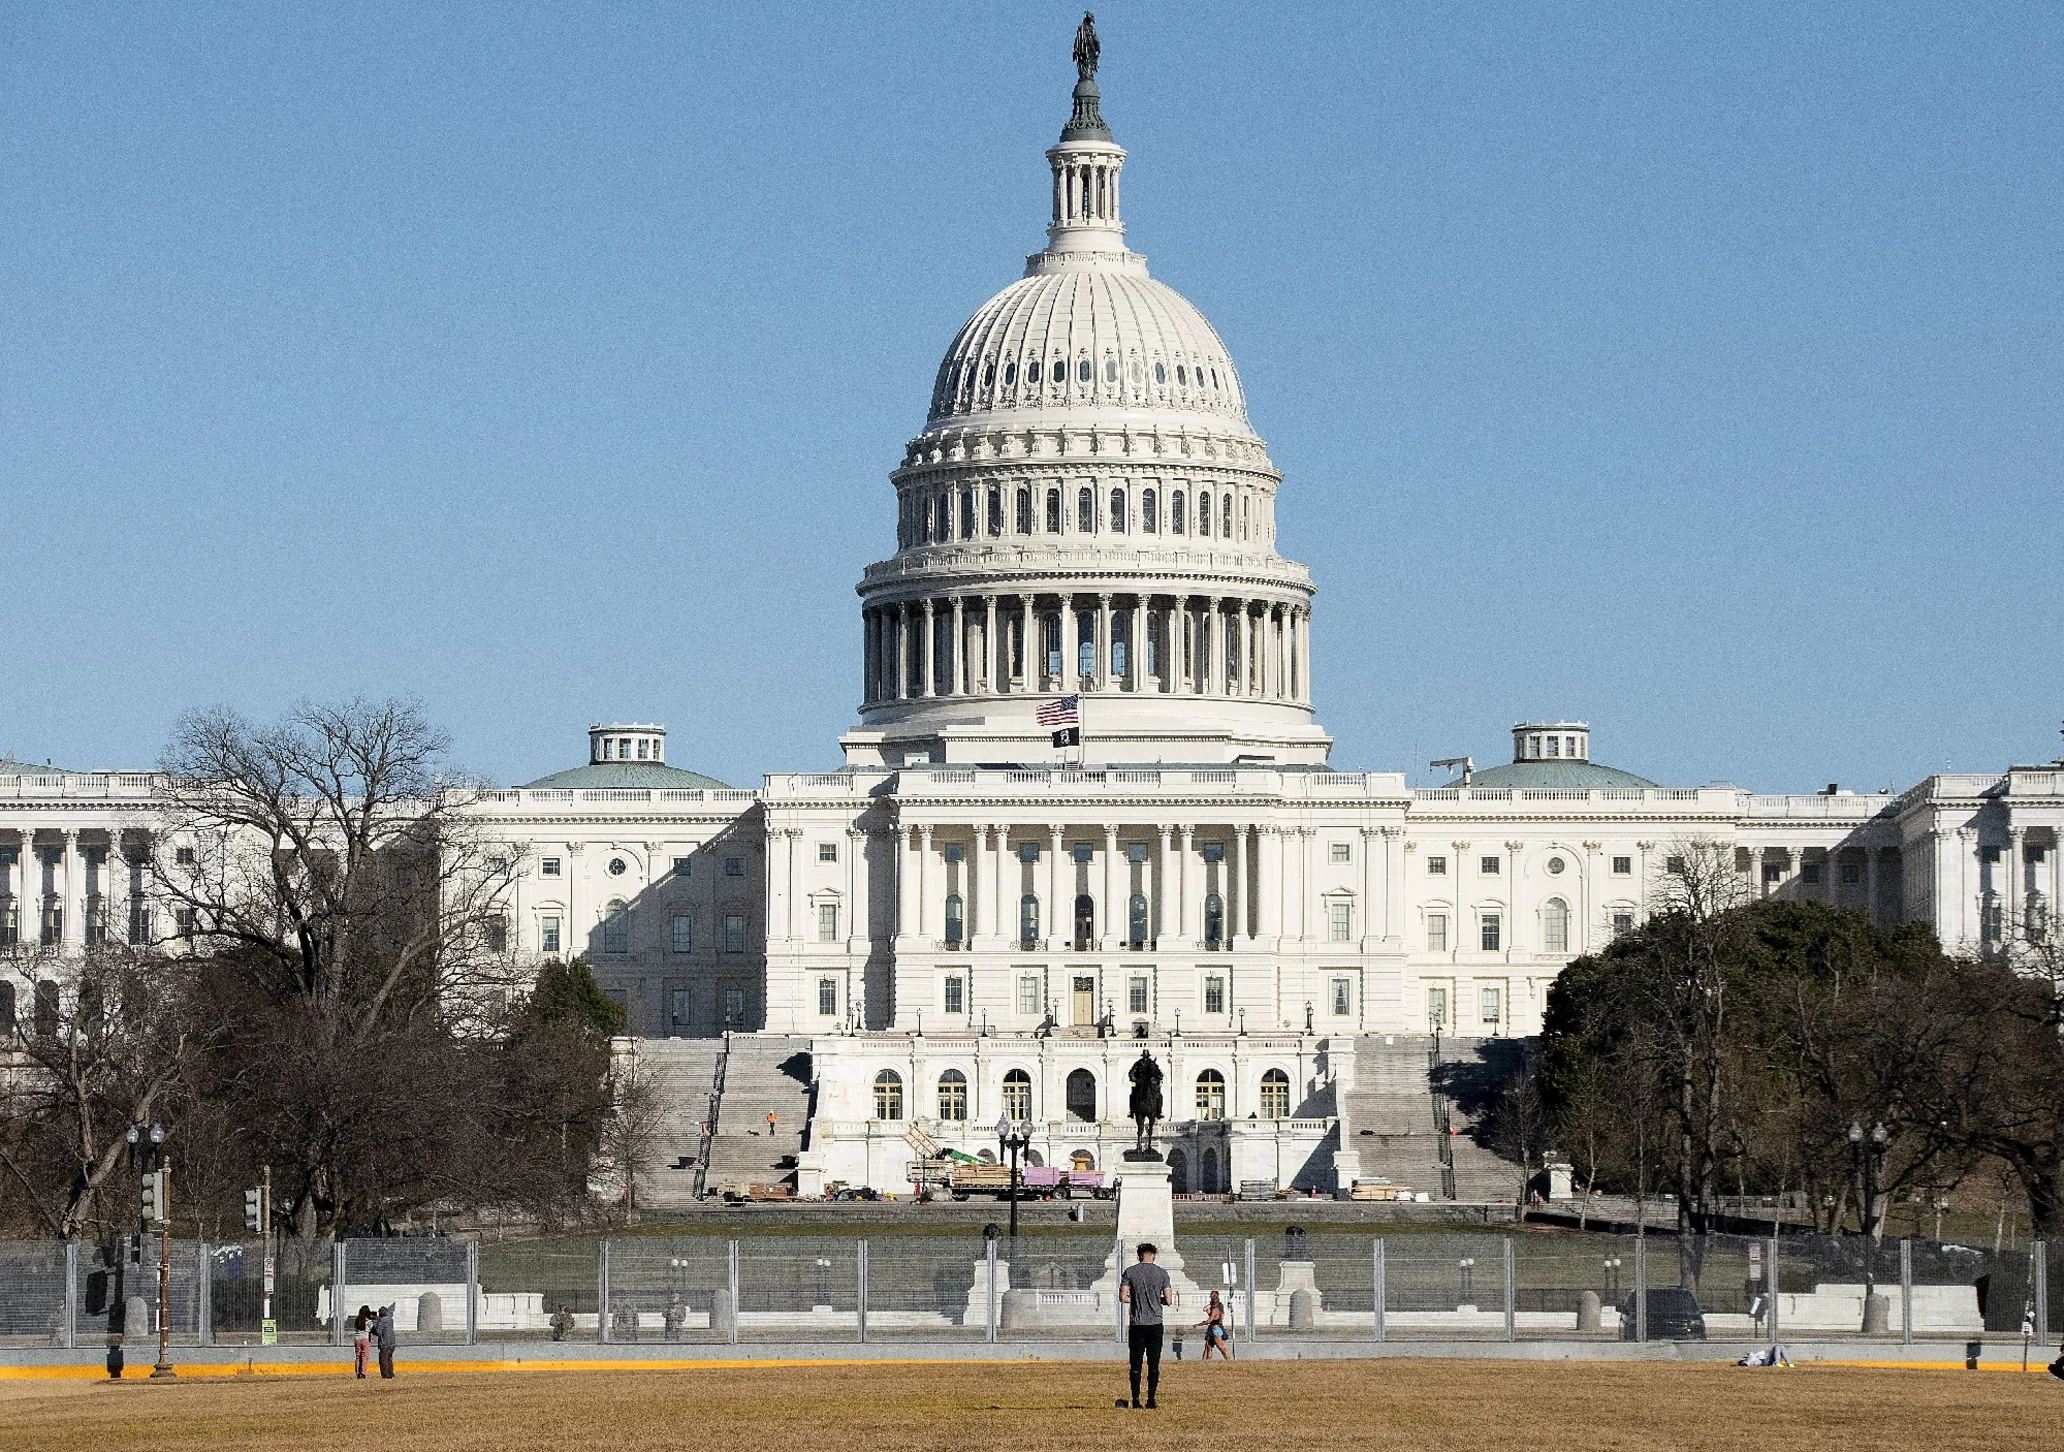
(1690, 370)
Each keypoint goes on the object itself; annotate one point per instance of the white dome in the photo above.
(1143, 345)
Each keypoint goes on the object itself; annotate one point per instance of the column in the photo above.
(996, 678)
(906, 884)
(1135, 644)
(1870, 881)
(956, 653)
(1060, 923)
(2010, 864)
(1214, 647)
(73, 927)
(1271, 904)
(1029, 635)
(1306, 836)
(1304, 661)
(1102, 674)
(1756, 873)
(859, 926)
(927, 652)
(999, 869)
(901, 675)
(924, 885)
(790, 836)
(1184, 899)
(1394, 850)
(1157, 922)
(1238, 899)
(1372, 925)
(1112, 909)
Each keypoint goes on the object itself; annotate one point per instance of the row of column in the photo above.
(1266, 883)
(73, 912)
(1259, 649)
(1793, 859)
(1085, 191)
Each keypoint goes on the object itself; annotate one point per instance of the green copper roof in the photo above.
(1553, 774)
(621, 774)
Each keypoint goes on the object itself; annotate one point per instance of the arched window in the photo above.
(1149, 520)
(1082, 371)
(1010, 373)
(1204, 515)
(1182, 374)
(953, 1095)
(1028, 920)
(944, 528)
(1175, 512)
(1051, 627)
(1121, 645)
(1225, 509)
(1160, 373)
(1081, 1161)
(888, 1095)
(1082, 1101)
(616, 927)
(6, 1010)
(1110, 369)
(1085, 922)
(956, 921)
(1275, 1095)
(1555, 926)
(46, 1009)
(967, 513)
(1134, 373)
(1214, 919)
(924, 519)
(989, 375)
(1207, 1171)
(1152, 644)
(1211, 1095)
(1243, 519)
(1178, 1172)
(1053, 511)
(1136, 920)
(1085, 643)
(1085, 512)
(995, 511)
(1117, 511)
(1024, 511)
(1017, 1095)
(1032, 371)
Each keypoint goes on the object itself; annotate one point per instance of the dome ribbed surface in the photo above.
(1555, 774)
(1122, 323)
(628, 774)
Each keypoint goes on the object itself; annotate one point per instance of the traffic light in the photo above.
(154, 1197)
(254, 1210)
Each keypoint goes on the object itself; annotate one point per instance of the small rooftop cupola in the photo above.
(630, 742)
(1551, 741)
(1086, 163)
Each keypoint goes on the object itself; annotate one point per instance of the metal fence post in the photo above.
(1379, 1287)
(1773, 1287)
(204, 1308)
(340, 1266)
(1250, 1290)
(1641, 1288)
(472, 1292)
(2042, 1290)
(1906, 1291)
(71, 1301)
(1511, 1303)
(1118, 1279)
(862, 1317)
(992, 1289)
(602, 1292)
(734, 1293)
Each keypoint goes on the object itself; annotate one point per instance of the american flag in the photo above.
(1065, 712)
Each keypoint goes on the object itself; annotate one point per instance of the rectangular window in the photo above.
(827, 922)
(548, 933)
(1493, 1007)
(1028, 995)
(1084, 852)
(684, 934)
(1995, 923)
(1488, 866)
(827, 851)
(1623, 866)
(1436, 932)
(1343, 997)
(1437, 1007)
(1622, 924)
(1214, 851)
(734, 933)
(1674, 866)
(956, 993)
(734, 867)
(681, 866)
(1491, 926)
(1810, 872)
(1339, 852)
(184, 856)
(956, 852)
(497, 934)
(1852, 873)
(1988, 854)
(1214, 995)
(827, 998)
(1436, 867)
(1339, 921)
(1773, 872)
(2036, 854)
(548, 867)
(1136, 995)
(1028, 852)
(1135, 852)
(734, 1008)
(682, 1007)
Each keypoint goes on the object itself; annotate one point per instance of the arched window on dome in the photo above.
(1243, 517)
(1082, 371)
(989, 374)
(1032, 371)
(1135, 373)
(1118, 511)
(1214, 378)
(1226, 510)
(1160, 371)
(967, 513)
(944, 529)
(924, 519)
(1149, 514)
(1182, 376)
(1175, 513)
(1024, 511)
(995, 510)
(1110, 369)
(1053, 511)
(1085, 512)
(1204, 514)
(1010, 372)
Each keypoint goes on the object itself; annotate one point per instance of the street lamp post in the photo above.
(147, 1155)
(1013, 1137)
(1869, 1153)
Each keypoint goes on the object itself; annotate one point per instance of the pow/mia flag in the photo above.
(1069, 736)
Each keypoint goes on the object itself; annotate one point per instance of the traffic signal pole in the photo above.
(164, 1369)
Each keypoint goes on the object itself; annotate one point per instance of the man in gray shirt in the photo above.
(1144, 1290)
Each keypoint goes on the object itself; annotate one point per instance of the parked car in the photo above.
(1673, 1315)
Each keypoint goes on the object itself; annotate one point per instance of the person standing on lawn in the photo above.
(383, 1337)
(1144, 1290)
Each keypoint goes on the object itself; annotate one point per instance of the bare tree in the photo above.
(640, 1094)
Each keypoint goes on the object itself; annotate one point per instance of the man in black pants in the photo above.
(1144, 1290)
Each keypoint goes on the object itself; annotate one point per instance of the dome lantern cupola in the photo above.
(629, 742)
(1085, 165)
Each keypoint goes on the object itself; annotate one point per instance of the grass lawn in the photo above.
(1312, 1404)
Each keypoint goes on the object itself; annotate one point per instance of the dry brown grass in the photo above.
(1525, 1407)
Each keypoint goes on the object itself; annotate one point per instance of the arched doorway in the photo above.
(1082, 1096)
(1207, 1171)
(1178, 1172)
(1085, 923)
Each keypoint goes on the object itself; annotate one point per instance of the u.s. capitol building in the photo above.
(967, 921)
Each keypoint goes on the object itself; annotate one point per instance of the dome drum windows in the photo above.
(1149, 520)
(1024, 511)
(1118, 511)
(1083, 370)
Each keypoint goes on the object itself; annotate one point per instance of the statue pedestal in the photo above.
(1146, 1210)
